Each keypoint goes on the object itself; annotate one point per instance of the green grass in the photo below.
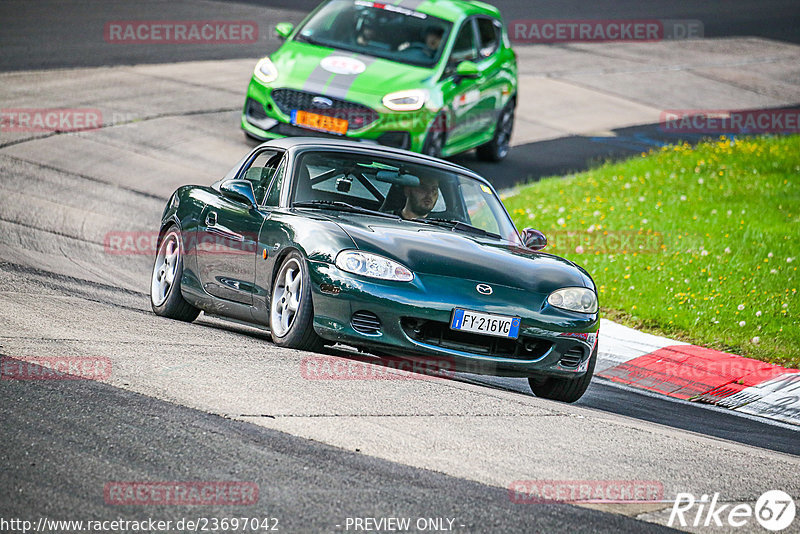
(695, 243)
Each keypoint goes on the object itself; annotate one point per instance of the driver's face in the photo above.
(423, 198)
(432, 41)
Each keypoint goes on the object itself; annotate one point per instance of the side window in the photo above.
(478, 209)
(464, 48)
(261, 171)
(274, 197)
(489, 34)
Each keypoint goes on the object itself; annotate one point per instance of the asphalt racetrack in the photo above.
(216, 401)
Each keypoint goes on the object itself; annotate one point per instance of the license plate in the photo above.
(321, 123)
(490, 324)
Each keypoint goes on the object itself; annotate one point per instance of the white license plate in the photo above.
(490, 324)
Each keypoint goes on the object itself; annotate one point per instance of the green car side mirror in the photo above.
(239, 191)
(467, 69)
(534, 239)
(283, 30)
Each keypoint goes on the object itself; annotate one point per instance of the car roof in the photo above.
(455, 9)
(322, 143)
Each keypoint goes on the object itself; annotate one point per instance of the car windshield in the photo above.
(382, 30)
(387, 187)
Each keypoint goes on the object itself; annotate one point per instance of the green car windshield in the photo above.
(367, 183)
(381, 30)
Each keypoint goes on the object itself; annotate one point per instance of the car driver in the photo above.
(420, 199)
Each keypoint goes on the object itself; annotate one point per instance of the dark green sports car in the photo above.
(401, 254)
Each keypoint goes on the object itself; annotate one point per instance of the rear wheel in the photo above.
(564, 389)
(291, 310)
(497, 148)
(165, 283)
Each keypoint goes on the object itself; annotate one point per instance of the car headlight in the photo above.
(373, 266)
(578, 299)
(410, 100)
(265, 71)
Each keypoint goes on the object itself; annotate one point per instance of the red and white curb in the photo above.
(693, 373)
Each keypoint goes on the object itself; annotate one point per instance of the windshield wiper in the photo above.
(342, 206)
(457, 225)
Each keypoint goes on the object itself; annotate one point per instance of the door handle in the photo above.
(211, 218)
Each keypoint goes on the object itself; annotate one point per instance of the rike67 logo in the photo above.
(774, 510)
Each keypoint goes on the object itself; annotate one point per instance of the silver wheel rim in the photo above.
(165, 268)
(286, 297)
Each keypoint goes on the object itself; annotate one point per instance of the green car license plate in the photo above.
(490, 324)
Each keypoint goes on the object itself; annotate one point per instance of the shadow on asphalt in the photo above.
(602, 395)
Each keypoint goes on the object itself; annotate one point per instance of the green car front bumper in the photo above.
(267, 114)
(412, 320)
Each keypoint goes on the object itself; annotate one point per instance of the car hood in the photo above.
(307, 67)
(427, 249)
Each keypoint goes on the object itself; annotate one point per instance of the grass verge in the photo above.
(695, 243)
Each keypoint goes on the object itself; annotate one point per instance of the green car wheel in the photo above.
(497, 148)
(291, 309)
(165, 284)
(563, 389)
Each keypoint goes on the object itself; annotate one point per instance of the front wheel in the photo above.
(436, 137)
(564, 389)
(165, 282)
(291, 314)
(497, 149)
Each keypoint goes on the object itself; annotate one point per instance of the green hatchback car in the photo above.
(431, 76)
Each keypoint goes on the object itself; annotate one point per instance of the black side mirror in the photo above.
(534, 239)
(240, 191)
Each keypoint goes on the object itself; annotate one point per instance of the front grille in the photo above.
(573, 357)
(366, 322)
(440, 335)
(357, 115)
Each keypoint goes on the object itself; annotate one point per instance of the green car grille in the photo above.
(440, 335)
(358, 116)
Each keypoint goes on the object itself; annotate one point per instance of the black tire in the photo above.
(497, 149)
(564, 389)
(436, 137)
(300, 332)
(169, 302)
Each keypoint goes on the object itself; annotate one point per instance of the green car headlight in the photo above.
(410, 100)
(578, 299)
(265, 71)
(373, 266)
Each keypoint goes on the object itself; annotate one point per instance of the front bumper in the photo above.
(264, 119)
(413, 322)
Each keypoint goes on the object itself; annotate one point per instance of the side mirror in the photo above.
(467, 69)
(239, 191)
(534, 239)
(283, 30)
